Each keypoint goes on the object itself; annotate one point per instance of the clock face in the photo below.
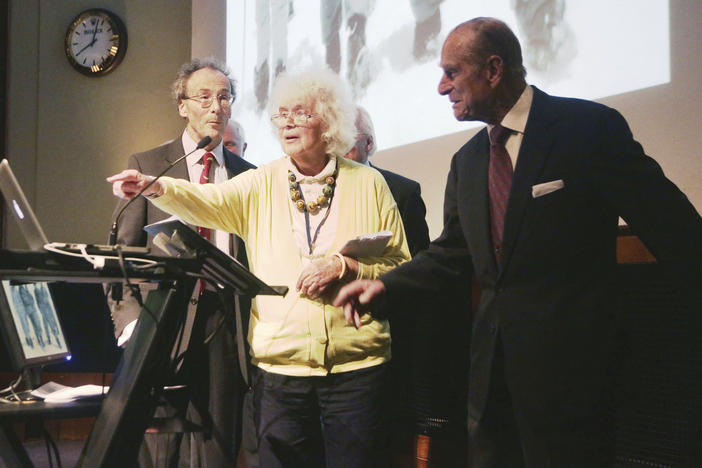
(96, 42)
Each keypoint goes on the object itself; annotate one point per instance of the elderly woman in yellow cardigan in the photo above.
(319, 386)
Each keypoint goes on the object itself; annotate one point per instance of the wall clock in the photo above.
(96, 41)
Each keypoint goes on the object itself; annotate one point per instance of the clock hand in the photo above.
(81, 50)
(94, 33)
(92, 41)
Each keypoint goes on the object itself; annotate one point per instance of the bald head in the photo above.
(234, 138)
(364, 147)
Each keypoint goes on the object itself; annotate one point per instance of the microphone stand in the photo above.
(117, 287)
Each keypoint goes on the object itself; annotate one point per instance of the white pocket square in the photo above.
(539, 190)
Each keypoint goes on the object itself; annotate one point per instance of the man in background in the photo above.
(407, 192)
(234, 138)
(204, 94)
(531, 207)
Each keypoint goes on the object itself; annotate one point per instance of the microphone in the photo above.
(116, 288)
(113, 231)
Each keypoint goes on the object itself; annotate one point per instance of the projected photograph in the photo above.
(389, 54)
(35, 319)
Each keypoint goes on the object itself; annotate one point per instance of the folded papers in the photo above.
(367, 245)
(52, 392)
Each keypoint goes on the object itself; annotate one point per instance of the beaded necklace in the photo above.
(312, 206)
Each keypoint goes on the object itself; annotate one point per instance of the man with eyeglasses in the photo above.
(204, 94)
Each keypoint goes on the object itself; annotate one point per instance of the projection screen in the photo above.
(389, 53)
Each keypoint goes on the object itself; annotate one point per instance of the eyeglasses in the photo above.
(205, 100)
(298, 117)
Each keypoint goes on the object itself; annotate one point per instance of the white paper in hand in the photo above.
(367, 245)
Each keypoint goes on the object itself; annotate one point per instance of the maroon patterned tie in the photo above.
(499, 185)
(204, 179)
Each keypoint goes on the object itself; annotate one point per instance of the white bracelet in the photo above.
(343, 264)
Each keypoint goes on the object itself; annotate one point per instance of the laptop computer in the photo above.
(21, 210)
(18, 205)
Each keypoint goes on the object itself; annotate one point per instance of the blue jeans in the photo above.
(338, 420)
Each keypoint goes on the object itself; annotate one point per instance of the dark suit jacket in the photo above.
(551, 298)
(408, 196)
(141, 212)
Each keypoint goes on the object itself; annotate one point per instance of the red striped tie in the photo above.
(499, 185)
(204, 179)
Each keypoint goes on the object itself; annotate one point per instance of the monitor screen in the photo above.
(30, 325)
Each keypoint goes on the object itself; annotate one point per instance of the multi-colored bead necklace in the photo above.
(313, 205)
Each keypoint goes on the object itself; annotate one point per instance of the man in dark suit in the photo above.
(204, 93)
(532, 208)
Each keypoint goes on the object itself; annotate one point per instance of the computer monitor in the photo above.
(30, 325)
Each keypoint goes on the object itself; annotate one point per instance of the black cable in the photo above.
(123, 267)
(136, 292)
(149, 266)
(181, 333)
(218, 327)
(50, 443)
(221, 295)
(48, 450)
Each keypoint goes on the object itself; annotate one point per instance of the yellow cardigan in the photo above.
(296, 335)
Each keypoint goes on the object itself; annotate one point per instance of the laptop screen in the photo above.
(18, 205)
(30, 325)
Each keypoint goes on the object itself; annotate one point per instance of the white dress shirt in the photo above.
(516, 120)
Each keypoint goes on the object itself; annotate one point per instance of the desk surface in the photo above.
(10, 412)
